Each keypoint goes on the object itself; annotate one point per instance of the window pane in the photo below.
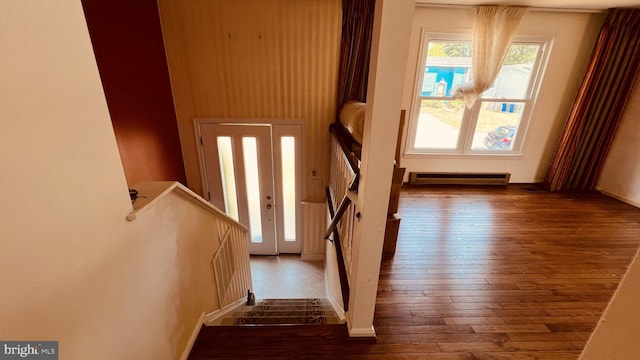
(225, 157)
(288, 150)
(497, 125)
(439, 124)
(249, 147)
(446, 68)
(512, 82)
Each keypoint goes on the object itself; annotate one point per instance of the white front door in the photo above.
(253, 174)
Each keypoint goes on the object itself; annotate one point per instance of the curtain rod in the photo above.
(547, 9)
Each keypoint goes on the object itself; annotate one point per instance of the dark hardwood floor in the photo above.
(479, 273)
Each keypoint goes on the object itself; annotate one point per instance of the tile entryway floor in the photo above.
(286, 276)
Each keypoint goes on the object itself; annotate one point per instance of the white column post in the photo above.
(391, 34)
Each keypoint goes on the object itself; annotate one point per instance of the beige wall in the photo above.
(72, 268)
(616, 335)
(255, 60)
(621, 173)
(573, 37)
(315, 224)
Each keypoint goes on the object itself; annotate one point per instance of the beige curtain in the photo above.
(493, 32)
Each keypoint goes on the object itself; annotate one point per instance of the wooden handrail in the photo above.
(342, 268)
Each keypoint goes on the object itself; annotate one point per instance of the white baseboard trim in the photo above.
(312, 257)
(362, 332)
(192, 338)
(619, 197)
(337, 307)
(212, 318)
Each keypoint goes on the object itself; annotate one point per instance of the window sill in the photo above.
(477, 156)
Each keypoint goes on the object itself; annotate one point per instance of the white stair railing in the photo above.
(231, 264)
(342, 200)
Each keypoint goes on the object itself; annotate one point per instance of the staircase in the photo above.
(284, 312)
(272, 328)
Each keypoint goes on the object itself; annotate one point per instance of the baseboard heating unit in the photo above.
(430, 178)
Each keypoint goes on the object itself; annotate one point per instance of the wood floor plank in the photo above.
(474, 320)
(425, 329)
(390, 356)
(549, 319)
(479, 273)
(557, 336)
(510, 346)
(510, 328)
(448, 313)
(529, 355)
(600, 305)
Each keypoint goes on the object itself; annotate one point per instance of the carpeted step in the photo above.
(284, 311)
(292, 301)
(285, 307)
(285, 320)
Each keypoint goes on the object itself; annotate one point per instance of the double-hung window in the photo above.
(497, 121)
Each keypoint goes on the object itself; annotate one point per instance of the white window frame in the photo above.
(470, 117)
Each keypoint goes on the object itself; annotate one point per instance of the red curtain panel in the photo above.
(599, 105)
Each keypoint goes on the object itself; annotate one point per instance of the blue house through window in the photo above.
(443, 75)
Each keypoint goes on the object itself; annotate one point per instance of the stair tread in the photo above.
(292, 301)
(285, 311)
(284, 307)
(308, 320)
(223, 332)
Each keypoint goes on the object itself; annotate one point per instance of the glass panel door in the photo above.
(253, 173)
(228, 176)
(240, 181)
(252, 185)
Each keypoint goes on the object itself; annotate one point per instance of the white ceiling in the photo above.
(558, 4)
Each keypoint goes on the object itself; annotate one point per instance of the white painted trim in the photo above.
(212, 318)
(429, 3)
(363, 332)
(197, 133)
(337, 307)
(192, 338)
(250, 121)
(620, 197)
(312, 257)
(493, 156)
(156, 190)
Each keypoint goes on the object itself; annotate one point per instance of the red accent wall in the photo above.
(127, 41)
